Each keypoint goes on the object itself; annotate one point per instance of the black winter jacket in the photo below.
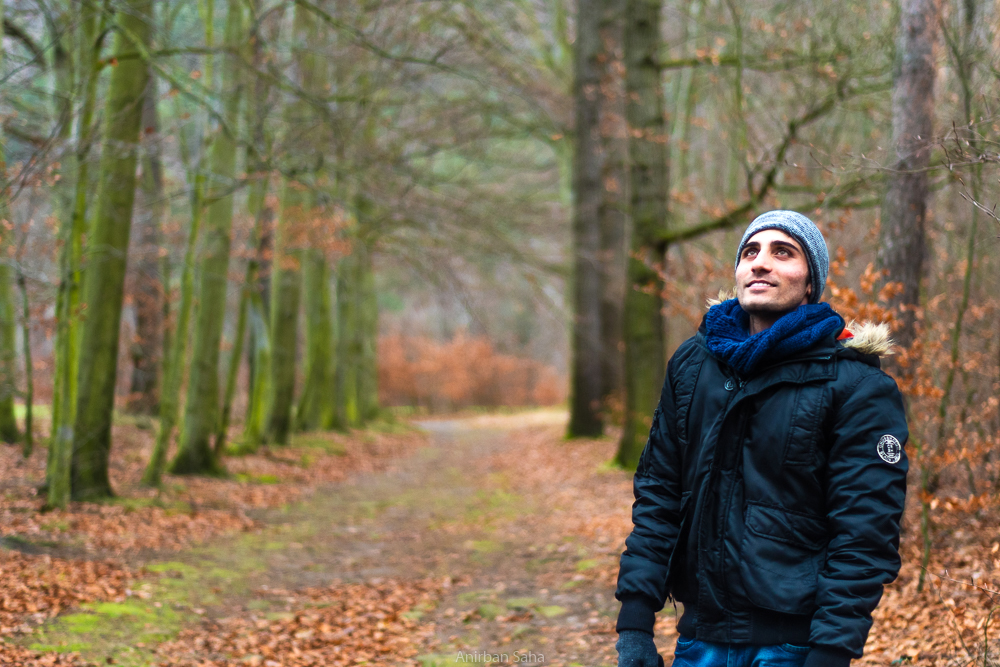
(769, 505)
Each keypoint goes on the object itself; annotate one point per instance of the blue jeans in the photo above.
(695, 653)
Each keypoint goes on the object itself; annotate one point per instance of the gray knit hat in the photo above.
(803, 230)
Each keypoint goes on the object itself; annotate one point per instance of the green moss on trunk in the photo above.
(106, 257)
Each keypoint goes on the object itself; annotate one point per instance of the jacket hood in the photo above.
(867, 338)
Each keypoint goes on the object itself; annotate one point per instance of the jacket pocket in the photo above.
(780, 557)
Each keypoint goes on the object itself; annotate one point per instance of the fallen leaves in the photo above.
(344, 624)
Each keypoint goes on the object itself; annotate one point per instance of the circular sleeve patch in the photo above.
(889, 449)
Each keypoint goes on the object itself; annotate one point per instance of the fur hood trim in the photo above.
(869, 338)
(866, 337)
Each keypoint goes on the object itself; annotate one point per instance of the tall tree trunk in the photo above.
(317, 407)
(256, 207)
(349, 346)
(175, 343)
(8, 357)
(644, 349)
(106, 261)
(8, 377)
(297, 201)
(195, 454)
(904, 209)
(149, 283)
(286, 290)
(614, 208)
(586, 381)
(29, 374)
(91, 24)
(367, 321)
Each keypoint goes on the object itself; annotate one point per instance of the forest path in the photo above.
(516, 531)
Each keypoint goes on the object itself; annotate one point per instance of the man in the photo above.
(769, 495)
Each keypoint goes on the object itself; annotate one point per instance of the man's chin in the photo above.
(765, 309)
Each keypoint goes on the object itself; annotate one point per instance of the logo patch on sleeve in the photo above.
(889, 449)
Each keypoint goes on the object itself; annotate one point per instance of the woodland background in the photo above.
(242, 221)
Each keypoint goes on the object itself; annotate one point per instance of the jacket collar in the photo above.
(812, 364)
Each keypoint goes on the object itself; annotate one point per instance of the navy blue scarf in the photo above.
(728, 333)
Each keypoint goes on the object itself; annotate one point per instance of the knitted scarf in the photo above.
(728, 336)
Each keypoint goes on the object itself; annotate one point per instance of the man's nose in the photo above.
(761, 262)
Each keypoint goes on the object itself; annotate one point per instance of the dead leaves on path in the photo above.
(36, 585)
(185, 510)
(33, 589)
(344, 624)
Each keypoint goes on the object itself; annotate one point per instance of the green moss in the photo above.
(489, 611)
(588, 564)
(256, 479)
(551, 611)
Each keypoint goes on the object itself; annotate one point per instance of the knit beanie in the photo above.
(803, 230)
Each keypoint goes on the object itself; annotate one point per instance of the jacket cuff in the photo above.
(827, 657)
(637, 613)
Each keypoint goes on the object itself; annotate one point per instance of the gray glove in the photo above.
(636, 649)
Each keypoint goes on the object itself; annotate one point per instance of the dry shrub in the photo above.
(465, 371)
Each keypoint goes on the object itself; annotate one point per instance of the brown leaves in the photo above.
(344, 624)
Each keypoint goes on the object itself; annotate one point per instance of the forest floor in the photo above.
(475, 540)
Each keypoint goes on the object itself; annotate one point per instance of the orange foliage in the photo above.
(464, 372)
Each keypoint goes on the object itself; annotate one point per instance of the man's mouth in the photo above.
(760, 283)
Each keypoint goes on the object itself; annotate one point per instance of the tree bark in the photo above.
(29, 373)
(293, 220)
(317, 407)
(8, 377)
(195, 453)
(106, 261)
(586, 383)
(349, 346)
(904, 209)
(644, 345)
(367, 319)
(148, 283)
(286, 284)
(72, 223)
(614, 207)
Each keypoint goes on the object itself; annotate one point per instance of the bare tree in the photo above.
(904, 209)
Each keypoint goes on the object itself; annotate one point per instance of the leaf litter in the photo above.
(575, 528)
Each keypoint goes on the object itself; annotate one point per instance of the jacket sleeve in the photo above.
(642, 576)
(865, 492)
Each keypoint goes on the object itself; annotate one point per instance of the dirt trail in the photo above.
(517, 531)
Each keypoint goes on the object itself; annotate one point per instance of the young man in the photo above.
(769, 495)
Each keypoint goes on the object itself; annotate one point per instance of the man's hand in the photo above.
(636, 649)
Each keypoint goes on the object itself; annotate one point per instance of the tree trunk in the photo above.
(257, 208)
(8, 378)
(297, 201)
(9, 432)
(106, 262)
(149, 284)
(586, 377)
(29, 375)
(72, 223)
(286, 286)
(317, 407)
(644, 349)
(614, 208)
(195, 454)
(904, 209)
(367, 320)
(349, 346)
(255, 114)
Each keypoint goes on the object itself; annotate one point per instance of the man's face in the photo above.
(772, 277)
